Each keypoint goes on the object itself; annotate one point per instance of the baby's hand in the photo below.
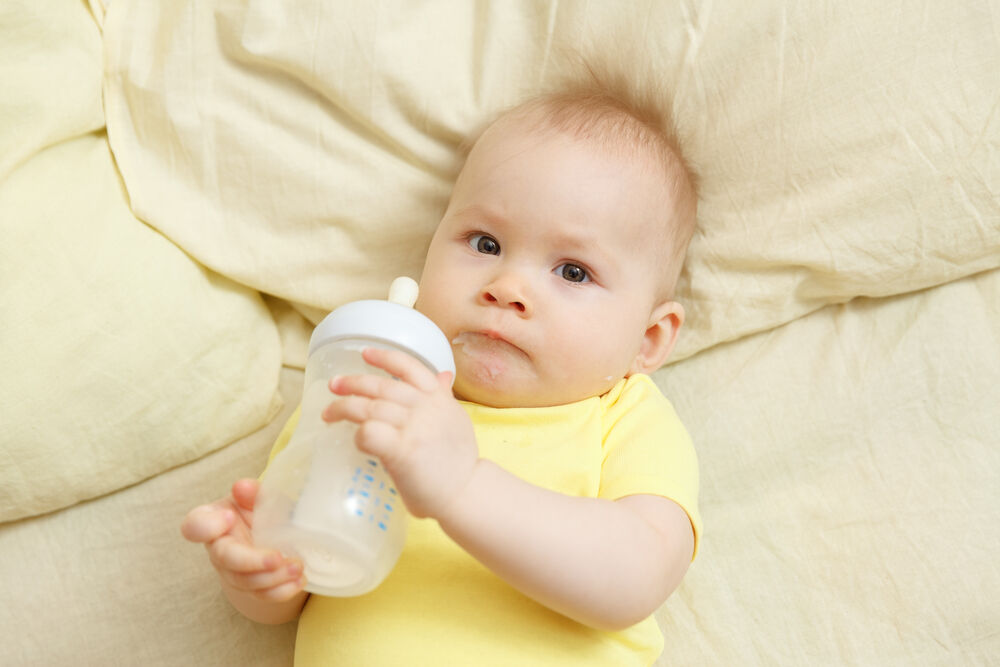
(414, 425)
(224, 528)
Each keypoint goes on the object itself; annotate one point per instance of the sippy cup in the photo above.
(322, 500)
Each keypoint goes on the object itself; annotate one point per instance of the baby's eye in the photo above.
(485, 244)
(573, 273)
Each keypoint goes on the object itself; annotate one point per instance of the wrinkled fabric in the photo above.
(852, 514)
(307, 149)
(121, 357)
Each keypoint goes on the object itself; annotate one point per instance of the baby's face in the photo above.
(541, 272)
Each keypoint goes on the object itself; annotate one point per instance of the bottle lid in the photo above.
(394, 322)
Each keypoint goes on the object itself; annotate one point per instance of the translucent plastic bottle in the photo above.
(322, 500)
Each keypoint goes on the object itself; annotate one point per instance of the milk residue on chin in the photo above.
(461, 339)
(489, 366)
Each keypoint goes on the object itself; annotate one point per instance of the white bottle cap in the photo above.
(392, 322)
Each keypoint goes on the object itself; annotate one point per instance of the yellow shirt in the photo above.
(441, 607)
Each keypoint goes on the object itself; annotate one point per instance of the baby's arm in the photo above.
(607, 564)
(262, 584)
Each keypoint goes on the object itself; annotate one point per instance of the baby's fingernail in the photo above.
(333, 381)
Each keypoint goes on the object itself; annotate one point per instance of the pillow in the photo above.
(51, 75)
(307, 148)
(121, 356)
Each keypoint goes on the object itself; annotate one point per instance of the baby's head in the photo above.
(553, 267)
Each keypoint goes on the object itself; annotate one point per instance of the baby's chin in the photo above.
(497, 374)
(483, 385)
(508, 392)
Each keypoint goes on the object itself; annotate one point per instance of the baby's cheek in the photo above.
(593, 367)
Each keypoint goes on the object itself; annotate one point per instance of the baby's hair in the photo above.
(624, 120)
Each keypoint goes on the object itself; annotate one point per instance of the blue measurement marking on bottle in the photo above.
(369, 501)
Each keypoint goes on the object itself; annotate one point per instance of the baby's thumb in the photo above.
(206, 523)
(245, 493)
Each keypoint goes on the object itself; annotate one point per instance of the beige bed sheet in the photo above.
(112, 582)
(849, 464)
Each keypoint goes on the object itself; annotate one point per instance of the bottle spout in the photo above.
(404, 291)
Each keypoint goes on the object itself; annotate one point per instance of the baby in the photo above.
(557, 488)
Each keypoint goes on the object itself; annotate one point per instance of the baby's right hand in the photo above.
(224, 528)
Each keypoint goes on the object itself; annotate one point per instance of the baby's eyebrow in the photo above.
(478, 211)
(577, 240)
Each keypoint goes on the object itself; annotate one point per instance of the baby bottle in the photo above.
(322, 500)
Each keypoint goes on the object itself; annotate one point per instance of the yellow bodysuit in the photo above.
(439, 606)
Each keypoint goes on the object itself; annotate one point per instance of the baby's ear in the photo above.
(658, 341)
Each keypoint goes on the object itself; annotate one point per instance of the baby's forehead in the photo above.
(651, 165)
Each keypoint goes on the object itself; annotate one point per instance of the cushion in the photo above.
(121, 356)
(50, 68)
(307, 148)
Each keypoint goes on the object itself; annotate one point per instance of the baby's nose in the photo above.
(507, 293)
(517, 305)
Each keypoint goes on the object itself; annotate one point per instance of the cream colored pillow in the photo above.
(50, 77)
(307, 148)
(120, 356)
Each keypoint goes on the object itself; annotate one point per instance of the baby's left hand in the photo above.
(414, 425)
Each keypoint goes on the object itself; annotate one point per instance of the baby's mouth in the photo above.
(489, 342)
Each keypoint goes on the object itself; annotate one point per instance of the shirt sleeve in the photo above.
(282, 441)
(647, 450)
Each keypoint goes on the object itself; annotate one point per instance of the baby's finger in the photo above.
(207, 523)
(374, 386)
(401, 365)
(245, 493)
(446, 380)
(378, 439)
(282, 592)
(290, 572)
(358, 409)
(227, 553)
